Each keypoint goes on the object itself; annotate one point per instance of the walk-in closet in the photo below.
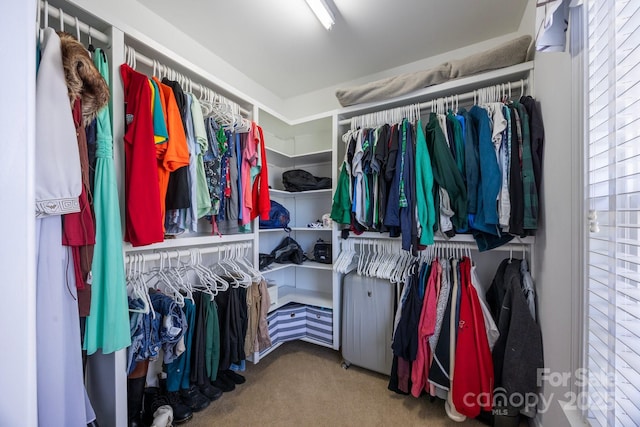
(320, 213)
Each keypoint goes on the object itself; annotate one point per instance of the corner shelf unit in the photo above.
(307, 145)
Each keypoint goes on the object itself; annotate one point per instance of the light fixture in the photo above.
(322, 12)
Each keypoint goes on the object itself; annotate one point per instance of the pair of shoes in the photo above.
(212, 392)
(233, 376)
(194, 399)
(223, 383)
(181, 412)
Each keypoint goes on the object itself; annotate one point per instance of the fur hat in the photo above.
(83, 78)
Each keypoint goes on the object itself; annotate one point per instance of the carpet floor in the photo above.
(302, 384)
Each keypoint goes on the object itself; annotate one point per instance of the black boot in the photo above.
(181, 412)
(135, 391)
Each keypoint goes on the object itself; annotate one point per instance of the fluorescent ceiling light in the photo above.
(322, 12)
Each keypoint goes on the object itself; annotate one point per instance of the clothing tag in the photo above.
(89, 278)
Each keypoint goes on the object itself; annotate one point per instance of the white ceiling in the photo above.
(280, 45)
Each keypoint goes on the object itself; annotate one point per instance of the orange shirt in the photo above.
(176, 154)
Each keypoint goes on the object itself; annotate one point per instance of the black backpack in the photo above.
(301, 180)
(287, 252)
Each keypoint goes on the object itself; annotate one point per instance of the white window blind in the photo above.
(613, 130)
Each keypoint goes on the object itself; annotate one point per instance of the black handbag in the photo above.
(322, 252)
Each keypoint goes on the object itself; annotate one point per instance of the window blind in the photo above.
(613, 248)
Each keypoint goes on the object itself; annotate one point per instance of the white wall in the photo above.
(554, 241)
(143, 24)
(325, 99)
(18, 405)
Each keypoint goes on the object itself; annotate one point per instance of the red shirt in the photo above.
(142, 195)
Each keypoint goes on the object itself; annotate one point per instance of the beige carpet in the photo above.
(302, 384)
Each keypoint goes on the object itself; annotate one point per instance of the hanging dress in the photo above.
(60, 384)
(107, 326)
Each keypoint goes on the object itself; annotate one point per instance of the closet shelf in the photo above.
(288, 294)
(291, 160)
(310, 193)
(271, 230)
(518, 71)
(307, 264)
(192, 239)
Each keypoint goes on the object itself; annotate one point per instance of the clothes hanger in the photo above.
(165, 282)
(178, 272)
(205, 282)
(91, 48)
(77, 29)
(132, 286)
(61, 19)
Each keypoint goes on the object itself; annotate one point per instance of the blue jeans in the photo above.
(173, 324)
(145, 340)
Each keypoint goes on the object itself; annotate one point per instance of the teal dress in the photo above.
(107, 326)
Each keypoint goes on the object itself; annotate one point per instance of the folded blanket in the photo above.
(507, 54)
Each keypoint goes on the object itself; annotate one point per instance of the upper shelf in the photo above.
(286, 160)
(192, 239)
(464, 84)
(284, 193)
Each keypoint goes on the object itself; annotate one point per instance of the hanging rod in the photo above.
(519, 84)
(155, 256)
(150, 63)
(70, 20)
(516, 243)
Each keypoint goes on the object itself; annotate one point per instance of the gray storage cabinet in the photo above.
(367, 322)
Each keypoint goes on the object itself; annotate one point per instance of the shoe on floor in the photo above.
(235, 377)
(194, 399)
(223, 383)
(181, 412)
(212, 392)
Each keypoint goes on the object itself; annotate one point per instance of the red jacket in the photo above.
(261, 204)
(473, 378)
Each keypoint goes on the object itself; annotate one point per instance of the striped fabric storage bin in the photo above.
(320, 324)
(297, 321)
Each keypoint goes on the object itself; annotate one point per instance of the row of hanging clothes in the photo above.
(196, 315)
(475, 345)
(472, 171)
(187, 157)
(81, 301)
